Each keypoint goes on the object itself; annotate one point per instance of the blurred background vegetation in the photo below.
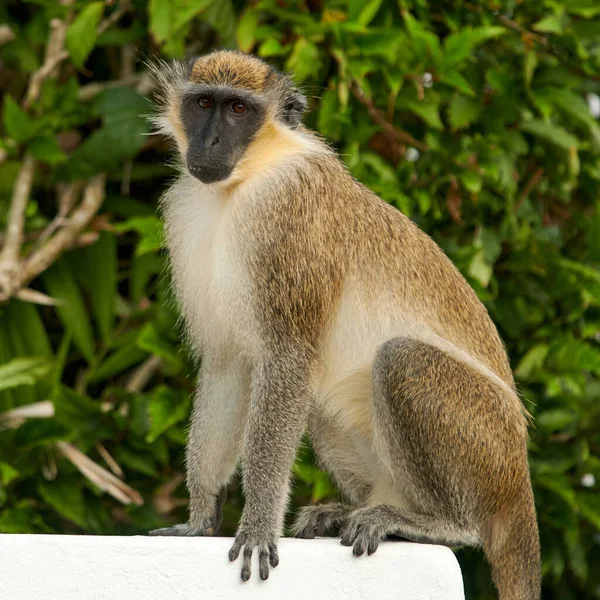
(477, 119)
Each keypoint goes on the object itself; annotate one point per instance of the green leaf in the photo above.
(580, 268)
(17, 123)
(305, 60)
(184, 12)
(46, 149)
(458, 82)
(22, 518)
(66, 497)
(472, 181)
(121, 137)
(427, 109)
(559, 485)
(61, 285)
(458, 46)
(555, 420)
(221, 16)
(25, 320)
(123, 110)
(101, 270)
(81, 35)
(463, 111)
(322, 487)
(60, 361)
(549, 24)
(35, 433)
(589, 506)
(368, 11)
(532, 360)
(480, 269)
(530, 63)
(161, 18)
(79, 413)
(550, 132)
(150, 340)
(584, 8)
(271, 47)
(150, 231)
(23, 371)
(328, 119)
(166, 407)
(118, 362)
(136, 460)
(7, 473)
(246, 29)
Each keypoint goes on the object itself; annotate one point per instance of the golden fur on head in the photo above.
(232, 69)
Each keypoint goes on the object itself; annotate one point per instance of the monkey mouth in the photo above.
(209, 173)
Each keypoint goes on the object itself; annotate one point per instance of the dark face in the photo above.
(219, 123)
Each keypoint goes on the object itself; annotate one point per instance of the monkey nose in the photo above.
(211, 141)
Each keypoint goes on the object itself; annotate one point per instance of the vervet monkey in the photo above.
(315, 305)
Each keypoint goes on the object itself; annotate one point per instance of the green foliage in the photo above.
(497, 157)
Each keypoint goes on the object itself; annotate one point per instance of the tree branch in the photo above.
(40, 260)
(55, 53)
(379, 117)
(9, 258)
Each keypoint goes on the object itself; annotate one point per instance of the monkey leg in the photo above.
(213, 444)
(315, 520)
(455, 439)
(277, 416)
(186, 530)
(337, 453)
(365, 527)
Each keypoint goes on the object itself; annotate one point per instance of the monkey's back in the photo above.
(398, 273)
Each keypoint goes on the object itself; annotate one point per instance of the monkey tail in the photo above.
(512, 547)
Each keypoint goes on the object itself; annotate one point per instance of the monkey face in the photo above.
(219, 123)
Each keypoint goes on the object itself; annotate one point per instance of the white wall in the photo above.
(44, 567)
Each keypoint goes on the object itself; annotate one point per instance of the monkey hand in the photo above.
(204, 526)
(249, 538)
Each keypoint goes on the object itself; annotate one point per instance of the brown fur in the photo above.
(344, 317)
(232, 69)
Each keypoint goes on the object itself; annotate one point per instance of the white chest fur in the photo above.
(208, 276)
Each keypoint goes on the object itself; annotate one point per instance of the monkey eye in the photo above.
(204, 103)
(239, 108)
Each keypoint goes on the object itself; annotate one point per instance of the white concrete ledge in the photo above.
(59, 567)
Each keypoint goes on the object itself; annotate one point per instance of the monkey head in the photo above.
(218, 104)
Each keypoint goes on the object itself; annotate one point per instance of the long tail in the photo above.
(511, 544)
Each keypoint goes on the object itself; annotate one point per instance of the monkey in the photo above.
(316, 306)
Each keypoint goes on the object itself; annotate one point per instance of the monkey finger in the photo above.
(263, 563)
(373, 545)
(273, 555)
(360, 544)
(177, 530)
(247, 563)
(237, 546)
(347, 535)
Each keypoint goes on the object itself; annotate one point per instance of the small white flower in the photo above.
(593, 101)
(427, 80)
(412, 154)
(588, 480)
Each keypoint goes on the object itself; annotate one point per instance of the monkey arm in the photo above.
(213, 447)
(277, 416)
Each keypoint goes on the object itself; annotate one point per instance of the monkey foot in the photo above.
(183, 530)
(315, 520)
(365, 528)
(267, 553)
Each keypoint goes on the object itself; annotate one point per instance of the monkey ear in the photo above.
(293, 109)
